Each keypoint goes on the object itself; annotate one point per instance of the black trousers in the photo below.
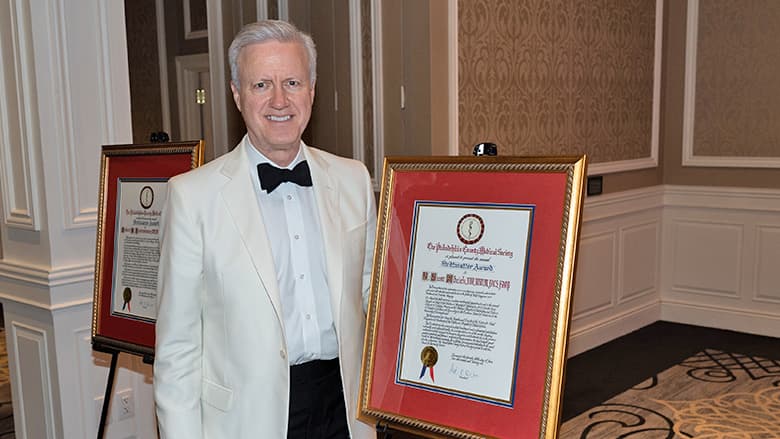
(317, 409)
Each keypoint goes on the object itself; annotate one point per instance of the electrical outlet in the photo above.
(124, 404)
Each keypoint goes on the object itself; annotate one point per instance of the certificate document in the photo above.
(137, 247)
(463, 300)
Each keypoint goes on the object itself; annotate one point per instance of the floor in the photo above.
(6, 408)
(601, 373)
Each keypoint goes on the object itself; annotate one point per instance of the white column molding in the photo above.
(452, 59)
(19, 119)
(32, 369)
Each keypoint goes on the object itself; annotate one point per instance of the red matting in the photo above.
(151, 166)
(546, 192)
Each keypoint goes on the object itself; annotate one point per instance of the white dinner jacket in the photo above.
(221, 367)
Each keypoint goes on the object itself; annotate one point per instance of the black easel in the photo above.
(382, 428)
(100, 347)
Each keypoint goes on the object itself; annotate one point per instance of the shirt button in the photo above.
(301, 277)
(281, 353)
(289, 197)
(308, 316)
(297, 236)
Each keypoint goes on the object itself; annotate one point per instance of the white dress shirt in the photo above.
(293, 228)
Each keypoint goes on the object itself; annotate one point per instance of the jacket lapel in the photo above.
(241, 202)
(327, 195)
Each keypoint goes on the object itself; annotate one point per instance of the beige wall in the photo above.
(541, 77)
(674, 89)
(550, 78)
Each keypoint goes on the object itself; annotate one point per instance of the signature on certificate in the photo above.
(463, 373)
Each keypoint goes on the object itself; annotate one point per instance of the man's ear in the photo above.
(236, 95)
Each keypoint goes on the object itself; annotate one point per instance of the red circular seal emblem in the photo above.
(470, 228)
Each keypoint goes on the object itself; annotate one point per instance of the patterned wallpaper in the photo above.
(737, 110)
(553, 77)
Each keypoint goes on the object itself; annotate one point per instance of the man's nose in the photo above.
(279, 98)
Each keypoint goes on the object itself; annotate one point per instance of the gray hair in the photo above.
(271, 30)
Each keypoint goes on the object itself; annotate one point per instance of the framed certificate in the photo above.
(133, 188)
(470, 294)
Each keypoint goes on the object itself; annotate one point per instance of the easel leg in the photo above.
(107, 396)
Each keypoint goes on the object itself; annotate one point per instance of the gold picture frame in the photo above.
(470, 295)
(133, 181)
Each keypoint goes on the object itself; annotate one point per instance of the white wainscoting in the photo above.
(617, 277)
(704, 256)
(30, 366)
(58, 381)
(720, 258)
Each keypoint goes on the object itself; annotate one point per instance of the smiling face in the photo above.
(274, 97)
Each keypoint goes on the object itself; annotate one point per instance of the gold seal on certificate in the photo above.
(127, 295)
(470, 228)
(429, 356)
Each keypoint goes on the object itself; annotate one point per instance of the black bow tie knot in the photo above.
(271, 176)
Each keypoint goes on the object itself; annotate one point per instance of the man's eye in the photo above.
(260, 85)
(293, 83)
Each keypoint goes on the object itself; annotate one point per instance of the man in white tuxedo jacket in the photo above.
(265, 268)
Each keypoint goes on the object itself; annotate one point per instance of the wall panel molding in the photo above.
(689, 156)
(734, 318)
(725, 198)
(623, 203)
(719, 255)
(19, 119)
(586, 82)
(718, 270)
(705, 256)
(80, 207)
(189, 32)
(619, 243)
(766, 276)
(583, 337)
(378, 92)
(32, 369)
(356, 72)
(652, 160)
(638, 260)
(595, 279)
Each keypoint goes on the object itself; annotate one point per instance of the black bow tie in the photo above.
(271, 176)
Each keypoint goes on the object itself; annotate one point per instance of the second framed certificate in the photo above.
(133, 189)
(470, 294)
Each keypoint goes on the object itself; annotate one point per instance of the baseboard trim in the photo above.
(587, 337)
(711, 316)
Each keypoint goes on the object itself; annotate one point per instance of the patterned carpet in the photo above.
(4, 378)
(711, 395)
(6, 409)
